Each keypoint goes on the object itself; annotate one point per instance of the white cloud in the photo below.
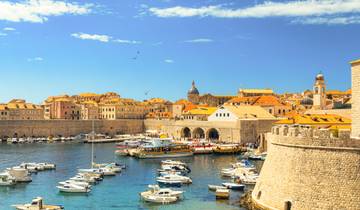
(9, 29)
(38, 11)
(35, 59)
(306, 8)
(3, 34)
(328, 20)
(103, 38)
(96, 37)
(201, 40)
(122, 41)
(169, 61)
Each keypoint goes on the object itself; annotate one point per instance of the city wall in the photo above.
(12, 128)
(309, 169)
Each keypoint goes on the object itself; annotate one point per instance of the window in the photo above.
(228, 114)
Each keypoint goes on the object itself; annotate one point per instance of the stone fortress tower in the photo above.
(309, 168)
(193, 94)
(319, 92)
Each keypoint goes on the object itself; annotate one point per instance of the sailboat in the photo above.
(92, 169)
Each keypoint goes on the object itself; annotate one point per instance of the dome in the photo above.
(307, 101)
(320, 76)
(193, 89)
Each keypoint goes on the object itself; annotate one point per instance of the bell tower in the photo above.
(319, 92)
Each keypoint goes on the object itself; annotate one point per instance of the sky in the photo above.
(156, 48)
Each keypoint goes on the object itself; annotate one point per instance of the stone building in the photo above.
(121, 109)
(62, 107)
(312, 168)
(19, 109)
(255, 92)
(209, 99)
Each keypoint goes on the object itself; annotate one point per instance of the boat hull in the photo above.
(169, 155)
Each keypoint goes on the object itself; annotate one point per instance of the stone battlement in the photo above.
(308, 136)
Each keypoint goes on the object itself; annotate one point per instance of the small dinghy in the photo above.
(234, 186)
(215, 187)
(222, 194)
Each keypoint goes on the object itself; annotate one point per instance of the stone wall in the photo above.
(311, 169)
(20, 128)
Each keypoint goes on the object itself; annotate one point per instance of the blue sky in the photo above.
(50, 47)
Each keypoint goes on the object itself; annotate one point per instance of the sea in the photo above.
(118, 192)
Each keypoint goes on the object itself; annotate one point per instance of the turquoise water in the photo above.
(120, 192)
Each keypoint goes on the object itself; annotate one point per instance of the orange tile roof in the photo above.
(268, 101)
(316, 119)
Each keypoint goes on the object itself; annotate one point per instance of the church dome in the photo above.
(193, 89)
(307, 101)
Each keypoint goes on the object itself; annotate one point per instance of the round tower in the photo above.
(311, 168)
(193, 94)
(319, 92)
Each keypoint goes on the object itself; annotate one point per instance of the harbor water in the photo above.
(119, 192)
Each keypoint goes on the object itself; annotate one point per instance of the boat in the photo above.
(92, 170)
(234, 186)
(173, 162)
(222, 194)
(47, 166)
(37, 204)
(170, 168)
(215, 187)
(81, 178)
(227, 148)
(115, 167)
(6, 179)
(230, 172)
(163, 148)
(19, 174)
(173, 179)
(72, 188)
(79, 183)
(155, 194)
(202, 148)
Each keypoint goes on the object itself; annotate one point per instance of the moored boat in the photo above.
(72, 188)
(160, 148)
(227, 148)
(215, 187)
(173, 179)
(234, 186)
(155, 194)
(6, 179)
(37, 204)
(222, 194)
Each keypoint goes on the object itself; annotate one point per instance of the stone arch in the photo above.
(198, 133)
(213, 134)
(186, 133)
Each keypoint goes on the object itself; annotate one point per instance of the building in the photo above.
(121, 109)
(319, 92)
(355, 131)
(235, 113)
(19, 109)
(313, 168)
(209, 99)
(62, 107)
(199, 113)
(270, 103)
(89, 110)
(255, 92)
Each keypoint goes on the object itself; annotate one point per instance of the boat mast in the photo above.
(92, 143)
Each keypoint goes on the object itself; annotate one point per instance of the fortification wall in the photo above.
(12, 128)
(311, 169)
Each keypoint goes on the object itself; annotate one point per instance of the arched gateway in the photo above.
(213, 134)
(198, 133)
(186, 133)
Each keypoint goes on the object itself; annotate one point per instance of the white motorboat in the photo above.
(37, 204)
(215, 187)
(84, 178)
(19, 174)
(174, 179)
(108, 171)
(155, 194)
(72, 188)
(47, 166)
(112, 166)
(164, 173)
(177, 168)
(6, 179)
(79, 183)
(229, 172)
(92, 170)
(32, 167)
(173, 162)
